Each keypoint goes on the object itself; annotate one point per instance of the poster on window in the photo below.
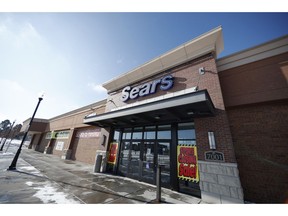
(112, 153)
(59, 146)
(187, 167)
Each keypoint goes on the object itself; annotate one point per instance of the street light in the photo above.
(14, 162)
(5, 138)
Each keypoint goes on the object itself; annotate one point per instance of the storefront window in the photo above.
(186, 131)
(164, 132)
(137, 133)
(116, 137)
(127, 133)
(150, 132)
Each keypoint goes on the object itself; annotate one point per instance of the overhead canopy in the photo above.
(178, 108)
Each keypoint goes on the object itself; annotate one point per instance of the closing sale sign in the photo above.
(187, 167)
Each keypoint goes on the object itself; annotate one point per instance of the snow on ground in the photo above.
(48, 194)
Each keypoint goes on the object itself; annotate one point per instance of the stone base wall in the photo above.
(220, 182)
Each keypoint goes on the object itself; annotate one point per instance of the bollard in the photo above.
(158, 183)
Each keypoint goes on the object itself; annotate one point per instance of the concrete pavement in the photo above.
(41, 178)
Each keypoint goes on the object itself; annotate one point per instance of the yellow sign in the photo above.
(187, 166)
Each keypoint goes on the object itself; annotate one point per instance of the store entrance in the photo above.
(138, 158)
(142, 149)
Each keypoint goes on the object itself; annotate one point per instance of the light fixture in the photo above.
(201, 71)
(190, 113)
(211, 138)
(157, 117)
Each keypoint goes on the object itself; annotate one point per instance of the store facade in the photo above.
(217, 127)
(170, 112)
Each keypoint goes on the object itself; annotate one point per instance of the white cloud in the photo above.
(96, 87)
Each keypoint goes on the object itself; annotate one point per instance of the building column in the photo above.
(66, 153)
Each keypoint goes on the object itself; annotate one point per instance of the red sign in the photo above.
(112, 153)
(187, 166)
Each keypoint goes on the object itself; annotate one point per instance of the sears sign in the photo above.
(163, 84)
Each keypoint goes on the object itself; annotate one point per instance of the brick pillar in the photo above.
(66, 153)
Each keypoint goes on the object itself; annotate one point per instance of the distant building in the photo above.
(218, 126)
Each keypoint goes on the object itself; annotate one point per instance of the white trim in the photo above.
(266, 50)
(211, 41)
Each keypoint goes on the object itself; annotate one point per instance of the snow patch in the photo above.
(122, 193)
(86, 193)
(49, 194)
(108, 200)
(148, 194)
(29, 183)
(8, 153)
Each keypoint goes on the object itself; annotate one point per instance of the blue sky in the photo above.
(69, 55)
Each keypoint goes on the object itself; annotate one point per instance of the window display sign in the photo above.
(112, 153)
(187, 167)
(59, 145)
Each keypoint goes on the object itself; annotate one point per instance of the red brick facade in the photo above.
(256, 97)
(260, 138)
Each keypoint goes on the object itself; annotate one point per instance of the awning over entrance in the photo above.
(177, 108)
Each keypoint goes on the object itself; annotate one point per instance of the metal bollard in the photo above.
(158, 183)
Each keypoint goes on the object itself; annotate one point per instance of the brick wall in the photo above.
(219, 125)
(260, 138)
(256, 82)
(43, 143)
(84, 149)
(185, 77)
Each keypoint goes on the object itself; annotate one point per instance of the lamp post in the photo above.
(10, 129)
(14, 162)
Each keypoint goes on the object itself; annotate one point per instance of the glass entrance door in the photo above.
(134, 160)
(124, 158)
(148, 165)
(129, 159)
(142, 149)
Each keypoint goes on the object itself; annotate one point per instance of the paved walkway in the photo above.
(41, 178)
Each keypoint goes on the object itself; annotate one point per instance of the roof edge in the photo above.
(265, 50)
(211, 41)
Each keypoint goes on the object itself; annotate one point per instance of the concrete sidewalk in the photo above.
(41, 178)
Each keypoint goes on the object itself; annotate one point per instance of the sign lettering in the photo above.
(88, 133)
(187, 166)
(214, 156)
(164, 84)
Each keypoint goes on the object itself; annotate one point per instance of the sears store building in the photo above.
(217, 127)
